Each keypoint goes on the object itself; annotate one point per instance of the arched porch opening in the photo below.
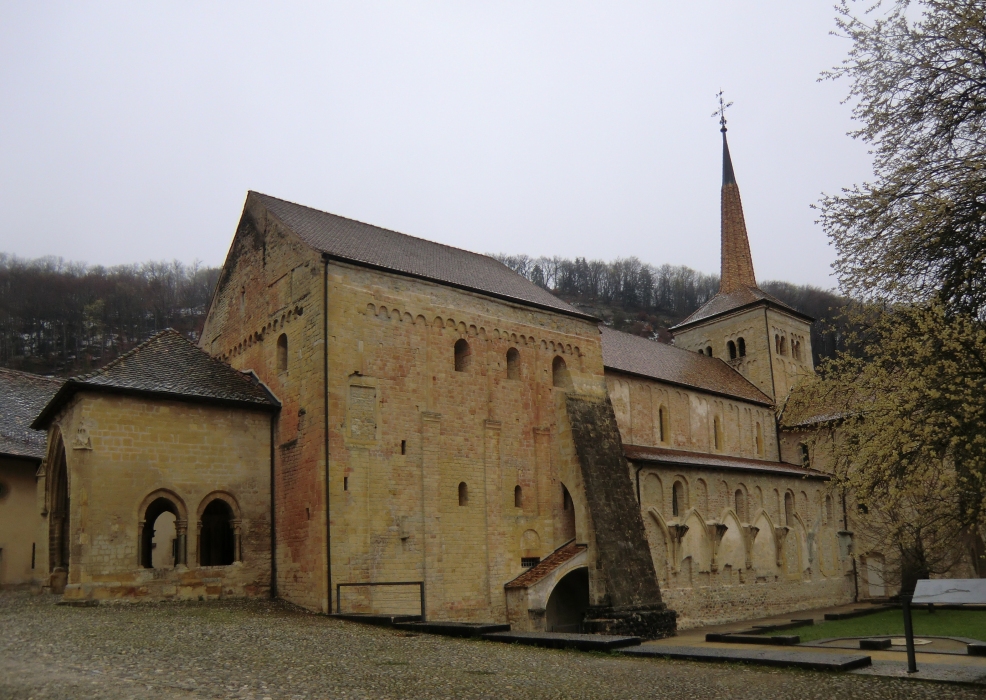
(151, 511)
(59, 512)
(568, 602)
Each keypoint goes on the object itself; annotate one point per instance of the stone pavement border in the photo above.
(810, 660)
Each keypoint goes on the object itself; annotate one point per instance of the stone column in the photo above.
(181, 532)
(237, 540)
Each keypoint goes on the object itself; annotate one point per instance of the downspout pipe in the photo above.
(273, 510)
(325, 427)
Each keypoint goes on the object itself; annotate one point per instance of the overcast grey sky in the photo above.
(132, 131)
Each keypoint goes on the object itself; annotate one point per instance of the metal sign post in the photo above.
(905, 603)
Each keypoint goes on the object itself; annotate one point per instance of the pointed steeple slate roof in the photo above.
(737, 283)
(737, 261)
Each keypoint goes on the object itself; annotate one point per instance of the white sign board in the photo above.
(954, 591)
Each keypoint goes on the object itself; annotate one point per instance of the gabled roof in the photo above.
(682, 458)
(372, 246)
(22, 396)
(567, 551)
(167, 366)
(723, 303)
(646, 358)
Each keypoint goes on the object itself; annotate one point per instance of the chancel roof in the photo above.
(682, 458)
(22, 396)
(364, 244)
(646, 358)
(167, 365)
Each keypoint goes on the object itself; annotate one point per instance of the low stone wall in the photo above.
(719, 604)
(200, 583)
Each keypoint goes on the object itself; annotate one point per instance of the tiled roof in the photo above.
(167, 365)
(661, 455)
(22, 396)
(365, 244)
(630, 353)
(549, 564)
(744, 296)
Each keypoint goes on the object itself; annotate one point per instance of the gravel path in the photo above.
(252, 649)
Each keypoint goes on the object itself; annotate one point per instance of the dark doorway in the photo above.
(158, 507)
(217, 544)
(568, 602)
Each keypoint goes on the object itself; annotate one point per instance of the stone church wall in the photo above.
(747, 429)
(444, 475)
(792, 560)
(20, 522)
(122, 453)
(266, 316)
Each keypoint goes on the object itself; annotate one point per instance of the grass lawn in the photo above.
(941, 623)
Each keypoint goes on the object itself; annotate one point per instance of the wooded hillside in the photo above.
(66, 318)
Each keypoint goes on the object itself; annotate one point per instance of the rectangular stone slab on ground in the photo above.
(957, 591)
(815, 661)
(558, 640)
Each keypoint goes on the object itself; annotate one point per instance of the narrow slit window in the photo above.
(463, 356)
(513, 363)
(463, 494)
(282, 353)
(518, 497)
(403, 447)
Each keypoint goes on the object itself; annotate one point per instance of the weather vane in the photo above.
(721, 112)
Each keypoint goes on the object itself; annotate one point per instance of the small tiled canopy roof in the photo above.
(661, 455)
(22, 396)
(646, 358)
(550, 563)
(724, 302)
(167, 366)
(364, 244)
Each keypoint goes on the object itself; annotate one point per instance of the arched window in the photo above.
(789, 509)
(282, 353)
(731, 347)
(463, 356)
(513, 364)
(559, 373)
(741, 345)
(216, 538)
(677, 498)
(783, 345)
(805, 455)
(759, 441)
(716, 433)
(518, 497)
(663, 426)
(566, 499)
(777, 344)
(828, 509)
(740, 501)
(161, 514)
(463, 494)
(708, 350)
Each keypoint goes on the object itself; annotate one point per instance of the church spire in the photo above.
(737, 262)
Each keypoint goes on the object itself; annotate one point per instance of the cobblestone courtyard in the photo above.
(262, 650)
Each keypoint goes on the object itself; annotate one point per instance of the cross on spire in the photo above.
(721, 112)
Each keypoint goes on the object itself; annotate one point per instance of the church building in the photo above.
(376, 423)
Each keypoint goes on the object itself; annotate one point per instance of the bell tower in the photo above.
(758, 335)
